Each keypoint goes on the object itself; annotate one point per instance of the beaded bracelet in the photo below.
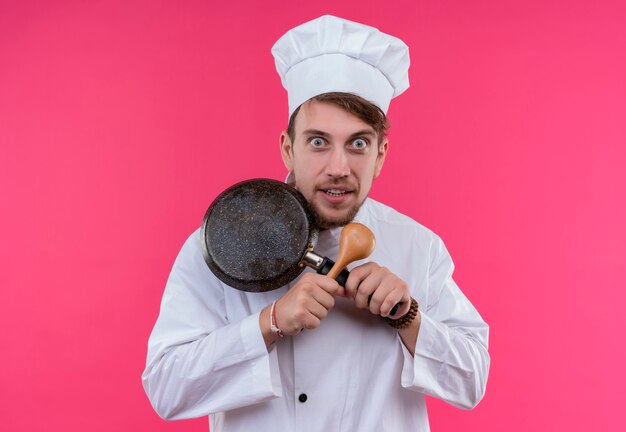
(406, 319)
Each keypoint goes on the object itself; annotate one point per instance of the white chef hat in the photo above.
(331, 54)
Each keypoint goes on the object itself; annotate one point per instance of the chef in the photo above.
(312, 355)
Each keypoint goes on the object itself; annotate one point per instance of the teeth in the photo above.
(335, 192)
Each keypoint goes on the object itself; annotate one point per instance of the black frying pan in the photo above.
(259, 234)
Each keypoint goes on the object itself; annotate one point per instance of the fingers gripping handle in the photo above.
(327, 264)
(342, 277)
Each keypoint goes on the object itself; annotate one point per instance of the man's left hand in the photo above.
(385, 288)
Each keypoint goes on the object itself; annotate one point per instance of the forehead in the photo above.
(329, 118)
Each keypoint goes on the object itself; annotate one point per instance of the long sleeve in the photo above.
(451, 360)
(198, 361)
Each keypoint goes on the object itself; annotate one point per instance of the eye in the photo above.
(316, 142)
(359, 144)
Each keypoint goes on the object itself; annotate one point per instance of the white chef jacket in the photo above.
(206, 354)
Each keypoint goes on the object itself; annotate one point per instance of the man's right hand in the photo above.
(304, 306)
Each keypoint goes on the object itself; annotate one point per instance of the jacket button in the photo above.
(302, 398)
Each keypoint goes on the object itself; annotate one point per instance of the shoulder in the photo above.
(190, 263)
(385, 218)
(397, 231)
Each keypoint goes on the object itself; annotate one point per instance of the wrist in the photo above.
(405, 320)
(274, 327)
(264, 322)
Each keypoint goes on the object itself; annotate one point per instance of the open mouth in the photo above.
(335, 192)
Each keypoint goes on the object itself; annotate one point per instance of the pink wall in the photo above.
(121, 121)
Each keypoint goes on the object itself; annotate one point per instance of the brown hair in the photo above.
(356, 105)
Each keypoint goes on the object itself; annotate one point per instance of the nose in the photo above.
(337, 164)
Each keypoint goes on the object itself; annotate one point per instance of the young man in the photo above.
(245, 359)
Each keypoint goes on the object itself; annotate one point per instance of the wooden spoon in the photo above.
(356, 242)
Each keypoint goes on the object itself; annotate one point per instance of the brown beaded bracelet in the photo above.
(406, 319)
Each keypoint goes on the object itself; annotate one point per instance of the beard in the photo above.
(326, 223)
(322, 221)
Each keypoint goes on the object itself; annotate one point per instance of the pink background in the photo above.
(120, 121)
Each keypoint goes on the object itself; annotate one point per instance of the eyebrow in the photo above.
(316, 132)
(363, 132)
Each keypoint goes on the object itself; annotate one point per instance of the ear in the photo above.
(286, 150)
(380, 159)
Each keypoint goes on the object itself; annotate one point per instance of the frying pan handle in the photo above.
(325, 267)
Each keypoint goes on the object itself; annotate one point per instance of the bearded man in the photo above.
(313, 355)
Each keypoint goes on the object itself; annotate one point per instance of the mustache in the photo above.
(337, 185)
